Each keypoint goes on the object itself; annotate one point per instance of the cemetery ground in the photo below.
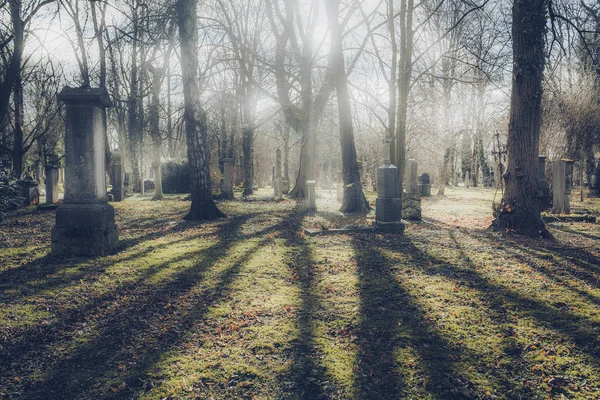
(253, 307)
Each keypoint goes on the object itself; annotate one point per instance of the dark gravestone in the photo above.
(425, 185)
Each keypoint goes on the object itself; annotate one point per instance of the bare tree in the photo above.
(354, 198)
(519, 211)
(203, 206)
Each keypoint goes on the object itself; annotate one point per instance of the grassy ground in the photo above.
(251, 307)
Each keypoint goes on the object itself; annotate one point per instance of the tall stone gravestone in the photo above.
(52, 179)
(425, 185)
(227, 187)
(312, 199)
(543, 183)
(388, 214)
(562, 183)
(85, 223)
(117, 176)
(411, 203)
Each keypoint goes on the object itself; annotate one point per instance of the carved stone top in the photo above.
(97, 96)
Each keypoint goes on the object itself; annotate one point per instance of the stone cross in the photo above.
(227, 188)
(312, 200)
(85, 224)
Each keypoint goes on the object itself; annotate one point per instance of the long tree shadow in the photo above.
(582, 330)
(391, 319)
(146, 316)
(306, 373)
(44, 273)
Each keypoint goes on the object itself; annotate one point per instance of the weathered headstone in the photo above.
(425, 185)
(411, 201)
(312, 200)
(117, 180)
(340, 186)
(29, 190)
(467, 179)
(562, 183)
(387, 205)
(227, 187)
(52, 179)
(277, 186)
(543, 183)
(85, 223)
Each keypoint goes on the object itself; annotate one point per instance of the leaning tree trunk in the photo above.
(354, 197)
(194, 116)
(519, 211)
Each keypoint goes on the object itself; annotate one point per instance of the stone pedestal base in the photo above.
(390, 227)
(29, 192)
(387, 210)
(411, 207)
(425, 189)
(84, 229)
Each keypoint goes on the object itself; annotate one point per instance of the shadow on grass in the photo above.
(582, 330)
(306, 373)
(134, 332)
(393, 323)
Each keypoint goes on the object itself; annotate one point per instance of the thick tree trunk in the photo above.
(18, 149)
(519, 211)
(354, 198)
(404, 74)
(154, 120)
(249, 118)
(203, 206)
(248, 164)
(133, 110)
(286, 154)
(14, 68)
